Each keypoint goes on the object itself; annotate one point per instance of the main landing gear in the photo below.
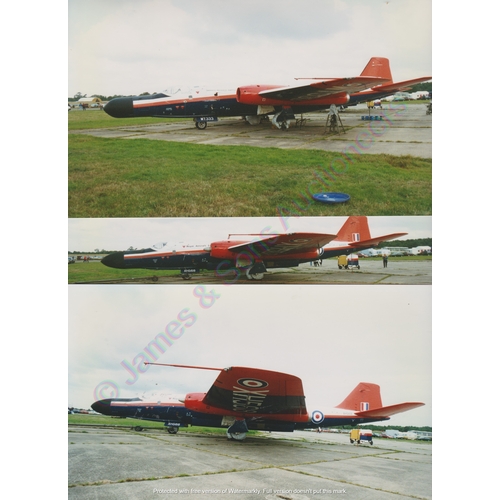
(201, 125)
(238, 430)
(254, 276)
(256, 271)
(237, 436)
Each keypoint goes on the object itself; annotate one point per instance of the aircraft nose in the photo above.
(115, 260)
(120, 107)
(102, 406)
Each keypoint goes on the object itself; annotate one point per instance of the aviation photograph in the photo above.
(216, 143)
(246, 367)
(209, 122)
(239, 250)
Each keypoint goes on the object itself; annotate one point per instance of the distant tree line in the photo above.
(420, 242)
(422, 87)
(400, 428)
(79, 95)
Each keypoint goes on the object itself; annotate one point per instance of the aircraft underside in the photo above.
(206, 110)
(177, 416)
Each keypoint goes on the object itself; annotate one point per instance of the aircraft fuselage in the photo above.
(194, 261)
(177, 415)
(215, 105)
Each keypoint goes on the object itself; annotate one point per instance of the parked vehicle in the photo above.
(359, 435)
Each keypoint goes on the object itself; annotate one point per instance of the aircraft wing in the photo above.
(387, 411)
(323, 88)
(248, 391)
(283, 244)
(376, 241)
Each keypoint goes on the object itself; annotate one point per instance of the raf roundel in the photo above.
(252, 383)
(317, 417)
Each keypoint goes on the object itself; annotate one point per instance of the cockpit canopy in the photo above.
(159, 246)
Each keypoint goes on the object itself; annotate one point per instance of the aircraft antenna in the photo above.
(185, 366)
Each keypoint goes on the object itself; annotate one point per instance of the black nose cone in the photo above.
(115, 260)
(120, 107)
(102, 406)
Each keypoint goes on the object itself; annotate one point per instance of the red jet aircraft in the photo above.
(255, 102)
(253, 254)
(243, 399)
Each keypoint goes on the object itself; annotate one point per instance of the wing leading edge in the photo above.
(283, 244)
(324, 88)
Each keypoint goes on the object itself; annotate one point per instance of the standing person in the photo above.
(385, 259)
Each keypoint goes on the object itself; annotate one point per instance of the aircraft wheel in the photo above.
(201, 125)
(186, 276)
(173, 430)
(237, 436)
(154, 278)
(351, 440)
(138, 428)
(254, 276)
(258, 276)
(371, 443)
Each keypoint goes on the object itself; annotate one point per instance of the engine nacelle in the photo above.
(193, 401)
(219, 250)
(250, 94)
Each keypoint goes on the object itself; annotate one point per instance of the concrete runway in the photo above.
(117, 464)
(406, 130)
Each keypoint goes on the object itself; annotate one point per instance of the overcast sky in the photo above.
(86, 235)
(332, 337)
(131, 46)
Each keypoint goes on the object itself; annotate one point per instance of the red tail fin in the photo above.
(363, 398)
(354, 229)
(378, 66)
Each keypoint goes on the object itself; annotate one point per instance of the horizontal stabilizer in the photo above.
(400, 86)
(387, 411)
(377, 240)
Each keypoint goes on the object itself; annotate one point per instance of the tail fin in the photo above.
(364, 397)
(378, 66)
(354, 229)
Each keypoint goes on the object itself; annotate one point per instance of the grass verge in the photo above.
(145, 178)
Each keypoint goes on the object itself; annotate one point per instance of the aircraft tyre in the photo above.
(138, 428)
(154, 278)
(173, 430)
(201, 125)
(351, 440)
(186, 276)
(371, 443)
(237, 436)
(254, 276)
